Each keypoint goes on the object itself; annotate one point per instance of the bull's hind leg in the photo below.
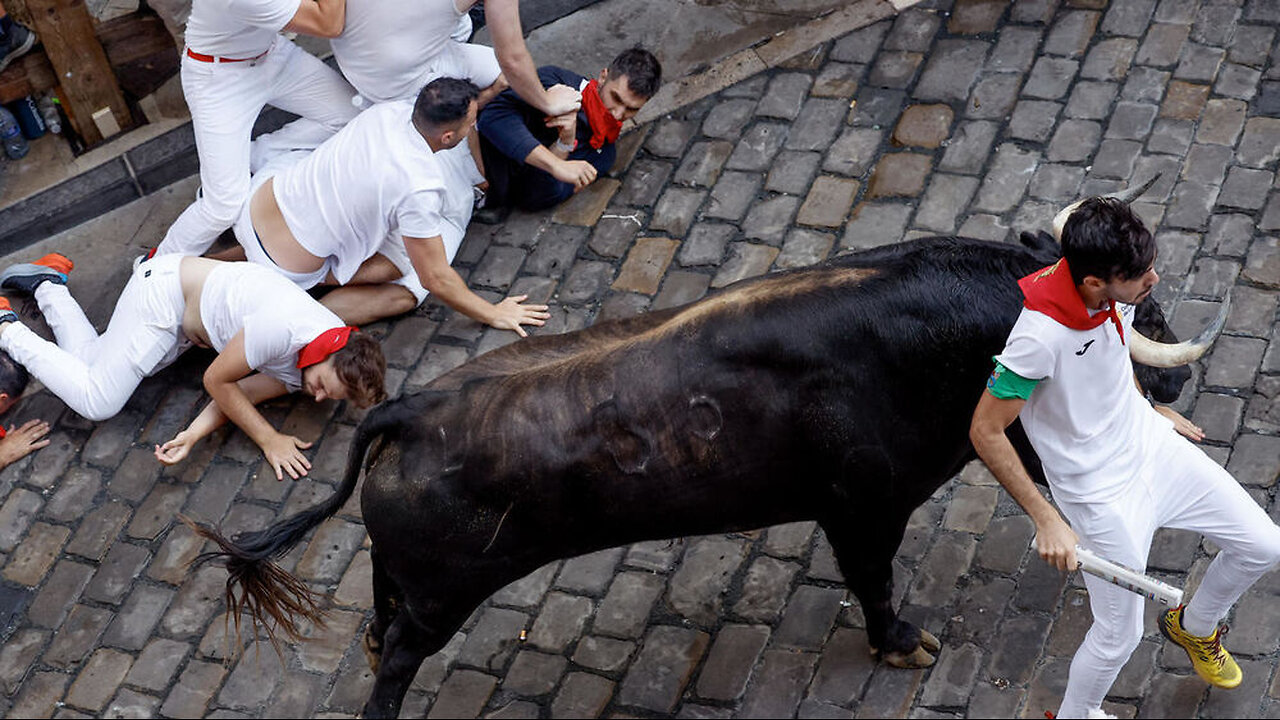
(864, 545)
(405, 645)
(387, 598)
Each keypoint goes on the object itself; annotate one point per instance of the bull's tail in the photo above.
(270, 596)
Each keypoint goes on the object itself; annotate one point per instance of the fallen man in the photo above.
(534, 161)
(254, 318)
(380, 208)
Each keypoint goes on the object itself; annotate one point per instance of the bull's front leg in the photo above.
(864, 545)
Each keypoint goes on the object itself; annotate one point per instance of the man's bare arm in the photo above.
(1055, 539)
(503, 19)
(578, 173)
(321, 18)
(257, 387)
(441, 280)
(221, 381)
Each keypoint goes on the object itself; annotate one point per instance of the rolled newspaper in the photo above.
(1127, 578)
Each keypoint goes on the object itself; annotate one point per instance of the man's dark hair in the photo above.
(643, 71)
(13, 377)
(361, 366)
(1105, 239)
(444, 101)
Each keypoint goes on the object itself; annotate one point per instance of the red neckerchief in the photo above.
(326, 344)
(1051, 291)
(2, 432)
(604, 127)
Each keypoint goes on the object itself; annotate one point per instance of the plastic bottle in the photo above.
(29, 119)
(15, 146)
(48, 106)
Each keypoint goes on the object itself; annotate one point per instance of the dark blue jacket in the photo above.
(514, 128)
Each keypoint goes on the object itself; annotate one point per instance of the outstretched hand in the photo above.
(20, 442)
(177, 449)
(511, 315)
(1185, 427)
(284, 452)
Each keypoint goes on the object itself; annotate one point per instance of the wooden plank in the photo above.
(25, 76)
(67, 32)
(141, 52)
(139, 48)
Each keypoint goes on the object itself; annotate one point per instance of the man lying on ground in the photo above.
(369, 209)
(533, 161)
(16, 443)
(254, 318)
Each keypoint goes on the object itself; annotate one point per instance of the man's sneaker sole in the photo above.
(26, 277)
(19, 51)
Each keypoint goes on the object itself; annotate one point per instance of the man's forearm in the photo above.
(513, 56)
(239, 409)
(543, 159)
(443, 282)
(257, 388)
(1002, 460)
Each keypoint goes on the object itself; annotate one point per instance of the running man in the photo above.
(1119, 468)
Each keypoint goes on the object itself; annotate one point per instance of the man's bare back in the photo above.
(193, 271)
(274, 234)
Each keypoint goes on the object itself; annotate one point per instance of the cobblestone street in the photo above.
(975, 117)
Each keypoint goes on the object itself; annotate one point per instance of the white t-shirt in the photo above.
(375, 177)
(387, 47)
(237, 28)
(278, 318)
(1085, 419)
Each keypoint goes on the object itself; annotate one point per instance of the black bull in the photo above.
(841, 393)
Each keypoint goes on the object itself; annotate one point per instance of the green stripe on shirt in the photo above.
(1006, 384)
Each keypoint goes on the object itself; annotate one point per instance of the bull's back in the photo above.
(745, 409)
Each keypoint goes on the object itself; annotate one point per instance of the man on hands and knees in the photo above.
(255, 319)
(376, 209)
(533, 161)
(1118, 468)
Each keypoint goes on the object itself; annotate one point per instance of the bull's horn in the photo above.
(1127, 195)
(1162, 355)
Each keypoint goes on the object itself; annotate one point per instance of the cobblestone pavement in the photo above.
(974, 118)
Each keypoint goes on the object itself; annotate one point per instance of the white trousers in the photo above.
(1179, 487)
(96, 374)
(476, 63)
(225, 100)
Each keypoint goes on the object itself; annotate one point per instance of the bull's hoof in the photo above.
(372, 649)
(929, 642)
(921, 657)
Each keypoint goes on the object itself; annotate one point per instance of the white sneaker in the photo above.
(1099, 714)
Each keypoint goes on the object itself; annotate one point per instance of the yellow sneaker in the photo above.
(1211, 661)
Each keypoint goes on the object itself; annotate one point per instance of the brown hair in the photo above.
(362, 368)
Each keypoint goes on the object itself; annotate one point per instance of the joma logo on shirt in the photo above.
(1084, 349)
